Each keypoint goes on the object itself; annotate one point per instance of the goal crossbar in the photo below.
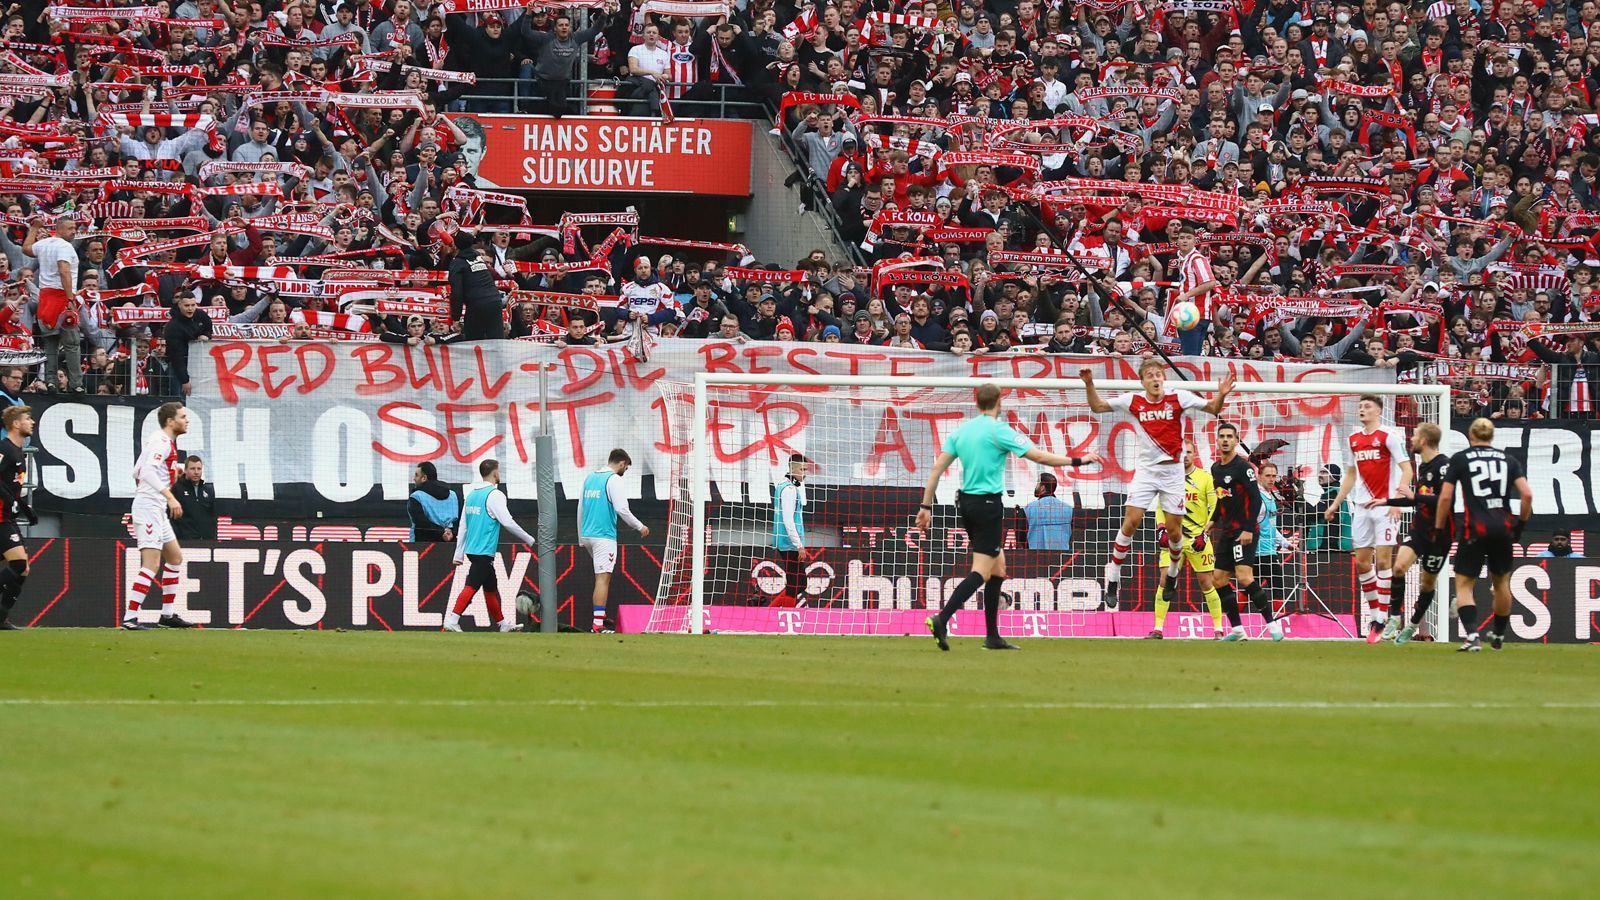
(700, 483)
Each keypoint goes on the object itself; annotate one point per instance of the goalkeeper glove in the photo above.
(1163, 542)
(1200, 542)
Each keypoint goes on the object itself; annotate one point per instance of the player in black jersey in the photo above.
(1425, 544)
(18, 424)
(1486, 476)
(1233, 526)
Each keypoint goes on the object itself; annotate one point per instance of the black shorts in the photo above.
(794, 572)
(1430, 554)
(1231, 553)
(480, 574)
(983, 518)
(10, 537)
(1494, 550)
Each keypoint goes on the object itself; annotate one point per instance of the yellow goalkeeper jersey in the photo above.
(1200, 499)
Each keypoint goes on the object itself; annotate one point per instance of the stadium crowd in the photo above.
(1411, 187)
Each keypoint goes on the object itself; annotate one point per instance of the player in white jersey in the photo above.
(1158, 417)
(154, 508)
(1381, 469)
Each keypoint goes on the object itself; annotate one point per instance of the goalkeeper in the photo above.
(1200, 499)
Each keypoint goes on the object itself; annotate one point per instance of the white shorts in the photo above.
(603, 551)
(152, 528)
(1160, 482)
(1373, 527)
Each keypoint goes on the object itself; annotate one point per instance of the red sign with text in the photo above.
(687, 156)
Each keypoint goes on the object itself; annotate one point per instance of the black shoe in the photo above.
(940, 632)
(134, 625)
(999, 644)
(1495, 640)
(7, 626)
(173, 621)
(1155, 636)
(1110, 598)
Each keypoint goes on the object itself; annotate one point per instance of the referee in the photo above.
(982, 445)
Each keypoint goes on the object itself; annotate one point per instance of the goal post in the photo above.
(867, 444)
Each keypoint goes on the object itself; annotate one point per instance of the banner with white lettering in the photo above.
(707, 157)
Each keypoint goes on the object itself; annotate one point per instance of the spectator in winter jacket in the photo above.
(1565, 365)
(926, 329)
(189, 324)
(819, 142)
(490, 54)
(555, 57)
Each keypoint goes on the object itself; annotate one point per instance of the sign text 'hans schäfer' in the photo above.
(699, 156)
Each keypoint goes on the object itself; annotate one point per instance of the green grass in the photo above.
(789, 767)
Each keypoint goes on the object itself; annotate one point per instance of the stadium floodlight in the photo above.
(868, 443)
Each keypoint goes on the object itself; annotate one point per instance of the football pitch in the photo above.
(321, 764)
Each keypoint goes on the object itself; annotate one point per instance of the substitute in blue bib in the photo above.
(600, 504)
(789, 530)
(483, 514)
(982, 445)
(432, 507)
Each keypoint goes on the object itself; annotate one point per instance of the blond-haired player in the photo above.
(1158, 416)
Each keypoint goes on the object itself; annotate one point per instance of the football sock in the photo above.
(1369, 592)
(169, 588)
(959, 597)
(1424, 600)
(1175, 568)
(599, 616)
(991, 605)
(1162, 605)
(1259, 601)
(1119, 555)
(1502, 624)
(1397, 596)
(139, 592)
(10, 587)
(1214, 603)
(491, 599)
(1382, 586)
(462, 599)
(19, 568)
(1230, 605)
(1468, 614)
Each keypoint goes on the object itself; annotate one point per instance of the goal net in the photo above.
(861, 448)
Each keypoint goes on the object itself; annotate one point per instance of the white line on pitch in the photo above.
(1224, 705)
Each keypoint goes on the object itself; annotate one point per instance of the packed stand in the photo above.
(1411, 187)
(1408, 187)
